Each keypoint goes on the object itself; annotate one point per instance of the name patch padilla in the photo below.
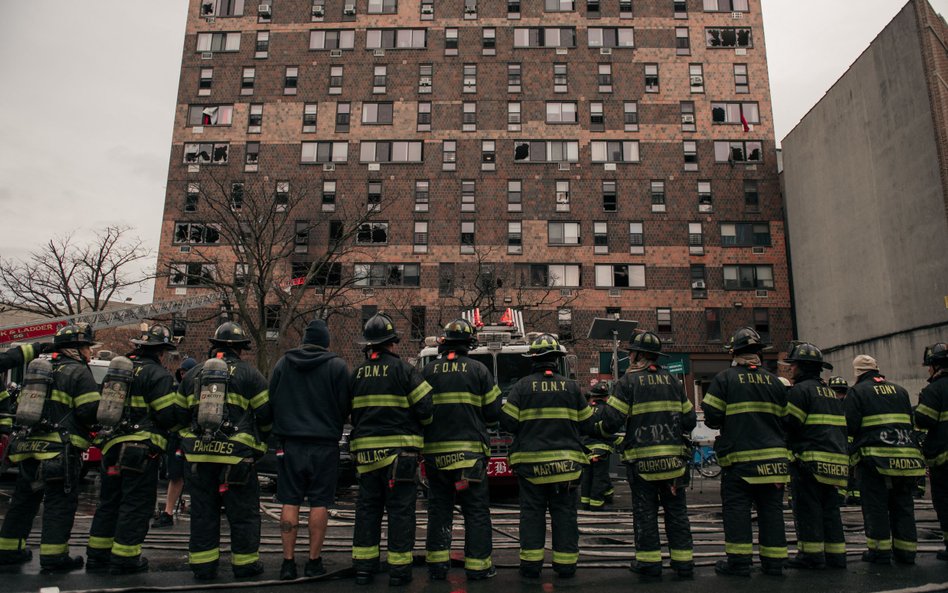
(897, 463)
(222, 447)
(655, 466)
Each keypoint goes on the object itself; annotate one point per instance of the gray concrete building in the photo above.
(866, 191)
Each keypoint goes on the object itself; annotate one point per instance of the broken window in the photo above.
(735, 113)
(197, 233)
(738, 152)
(210, 115)
(387, 274)
(374, 198)
(252, 154)
(192, 274)
(467, 237)
(236, 195)
(191, 197)
(206, 153)
(281, 197)
(370, 233)
(222, 8)
(728, 37)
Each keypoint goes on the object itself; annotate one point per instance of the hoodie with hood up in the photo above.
(309, 392)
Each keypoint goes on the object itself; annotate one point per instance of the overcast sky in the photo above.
(88, 90)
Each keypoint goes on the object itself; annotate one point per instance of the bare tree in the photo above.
(65, 278)
(275, 255)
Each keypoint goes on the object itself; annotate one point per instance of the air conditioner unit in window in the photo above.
(319, 11)
(615, 292)
(606, 51)
(757, 250)
(378, 53)
(329, 167)
(687, 118)
(210, 20)
(368, 291)
(562, 167)
(698, 285)
(186, 249)
(566, 292)
(349, 10)
(470, 10)
(424, 81)
(207, 55)
(762, 293)
(264, 9)
(335, 53)
(427, 9)
(737, 15)
(697, 80)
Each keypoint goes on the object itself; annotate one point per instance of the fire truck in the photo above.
(500, 347)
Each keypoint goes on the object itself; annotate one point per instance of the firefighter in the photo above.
(466, 400)
(879, 418)
(932, 415)
(595, 483)
(133, 438)
(18, 356)
(851, 492)
(54, 416)
(747, 403)
(816, 434)
(391, 404)
(547, 415)
(650, 403)
(229, 421)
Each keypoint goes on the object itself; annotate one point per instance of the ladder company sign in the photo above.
(30, 332)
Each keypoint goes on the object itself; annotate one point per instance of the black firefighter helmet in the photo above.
(545, 346)
(805, 352)
(231, 335)
(156, 336)
(936, 355)
(379, 329)
(838, 384)
(74, 335)
(600, 389)
(646, 342)
(459, 331)
(746, 339)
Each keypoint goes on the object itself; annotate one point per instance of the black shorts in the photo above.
(307, 471)
(174, 463)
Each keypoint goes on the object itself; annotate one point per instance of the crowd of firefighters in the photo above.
(813, 435)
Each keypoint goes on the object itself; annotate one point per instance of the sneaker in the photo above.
(62, 563)
(530, 572)
(363, 577)
(140, 565)
(288, 570)
(9, 557)
(314, 567)
(247, 571)
(397, 580)
(806, 562)
(647, 570)
(481, 575)
(163, 520)
(877, 557)
(724, 567)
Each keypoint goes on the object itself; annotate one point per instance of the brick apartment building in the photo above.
(582, 158)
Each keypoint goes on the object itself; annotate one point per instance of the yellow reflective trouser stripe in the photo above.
(826, 419)
(773, 552)
(796, 412)
(53, 549)
(565, 557)
(754, 455)
(100, 543)
(379, 400)
(648, 555)
(9, 543)
(618, 404)
(682, 555)
(419, 392)
(365, 553)
(399, 558)
(836, 548)
(875, 544)
(552, 414)
(531, 555)
(595, 502)
(880, 419)
(126, 551)
(260, 399)
(755, 408)
(511, 410)
(491, 395)
(456, 446)
(732, 548)
(204, 557)
(86, 398)
(244, 559)
(457, 397)
(714, 401)
(657, 406)
(544, 456)
(904, 546)
(811, 547)
(395, 440)
(477, 563)
(438, 556)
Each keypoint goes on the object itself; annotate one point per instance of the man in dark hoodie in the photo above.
(309, 392)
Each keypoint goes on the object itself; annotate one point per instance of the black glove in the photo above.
(43, 347)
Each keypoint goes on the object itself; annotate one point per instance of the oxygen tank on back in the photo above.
(115, 391)
(213, 394)
(37, 388)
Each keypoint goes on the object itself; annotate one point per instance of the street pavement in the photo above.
(605, 550)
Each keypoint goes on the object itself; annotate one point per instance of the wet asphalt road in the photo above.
(605, 545)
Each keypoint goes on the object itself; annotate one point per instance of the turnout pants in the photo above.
(126, 503)
(737, 498)
(940, 497)
(646, 498)
(212, 485)
(560, 498)
(43, 482)
(378, 493)
(816, 514)
(888, 509)
(595, 483)
(475, 506)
